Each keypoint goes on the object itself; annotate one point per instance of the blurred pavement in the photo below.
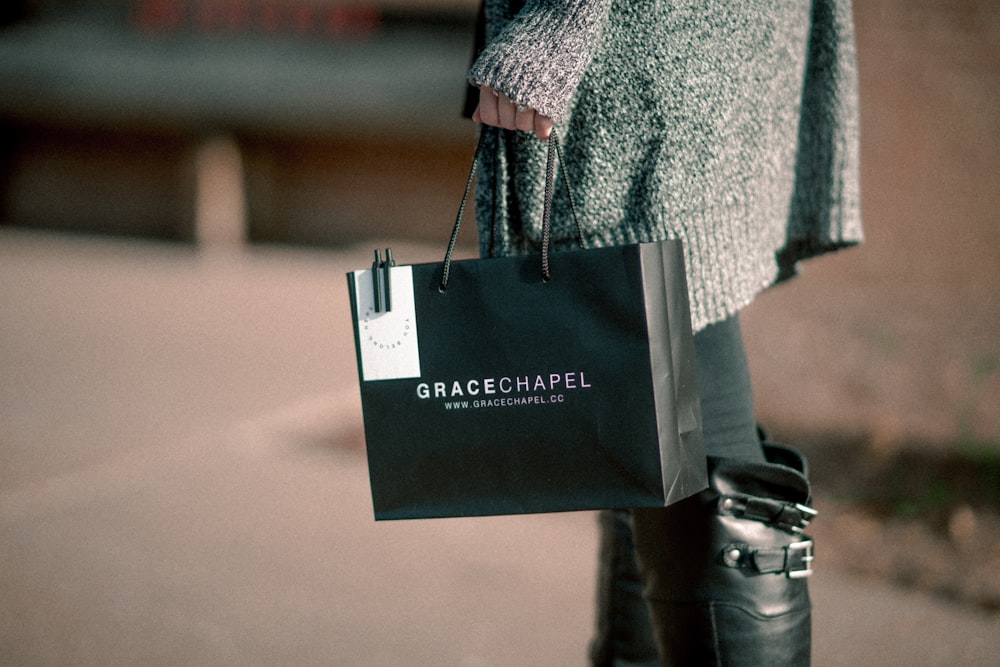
(182, 482)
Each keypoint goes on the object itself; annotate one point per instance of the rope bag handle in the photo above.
(554, 152)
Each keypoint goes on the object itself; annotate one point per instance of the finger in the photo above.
(543, 126)
(524, 119)
(487, 109)
(507, 112)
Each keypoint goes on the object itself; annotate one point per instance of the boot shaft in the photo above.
(725, 570)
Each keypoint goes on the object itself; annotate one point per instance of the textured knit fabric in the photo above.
(729, 124)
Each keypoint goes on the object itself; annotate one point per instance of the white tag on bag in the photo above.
(387, 339)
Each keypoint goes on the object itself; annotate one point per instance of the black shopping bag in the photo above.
(528, 384)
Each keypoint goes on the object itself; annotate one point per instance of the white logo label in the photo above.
(388, 340)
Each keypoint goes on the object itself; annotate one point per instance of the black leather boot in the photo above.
(725, 570)
(624, 635)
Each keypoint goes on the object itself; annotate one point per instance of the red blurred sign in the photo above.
(294, 17)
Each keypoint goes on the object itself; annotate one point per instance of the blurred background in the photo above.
(339, 117)
(183, 184)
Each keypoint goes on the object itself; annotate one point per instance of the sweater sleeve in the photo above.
(539, 57)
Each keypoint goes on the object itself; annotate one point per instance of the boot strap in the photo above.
(793, 517)
(794, 560)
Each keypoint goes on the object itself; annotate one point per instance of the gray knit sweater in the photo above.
(730, 124)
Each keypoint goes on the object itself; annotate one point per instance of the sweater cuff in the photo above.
(540, 57)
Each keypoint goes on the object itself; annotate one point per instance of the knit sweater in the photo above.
(729, 124)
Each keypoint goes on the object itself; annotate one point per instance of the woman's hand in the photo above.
(496, 110)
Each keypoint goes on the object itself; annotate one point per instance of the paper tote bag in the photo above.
(502, 386)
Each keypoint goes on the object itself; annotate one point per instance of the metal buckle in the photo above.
(806, 547)
(793, 517)
(808, 514)
(793, 560)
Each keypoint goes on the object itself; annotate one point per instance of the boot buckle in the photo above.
(793, 517)
(806, 516)
(800, 554)
(794, 560)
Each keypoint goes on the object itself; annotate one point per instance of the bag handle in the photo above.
(554, 151)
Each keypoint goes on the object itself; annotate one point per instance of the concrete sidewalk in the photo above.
(183, 483)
